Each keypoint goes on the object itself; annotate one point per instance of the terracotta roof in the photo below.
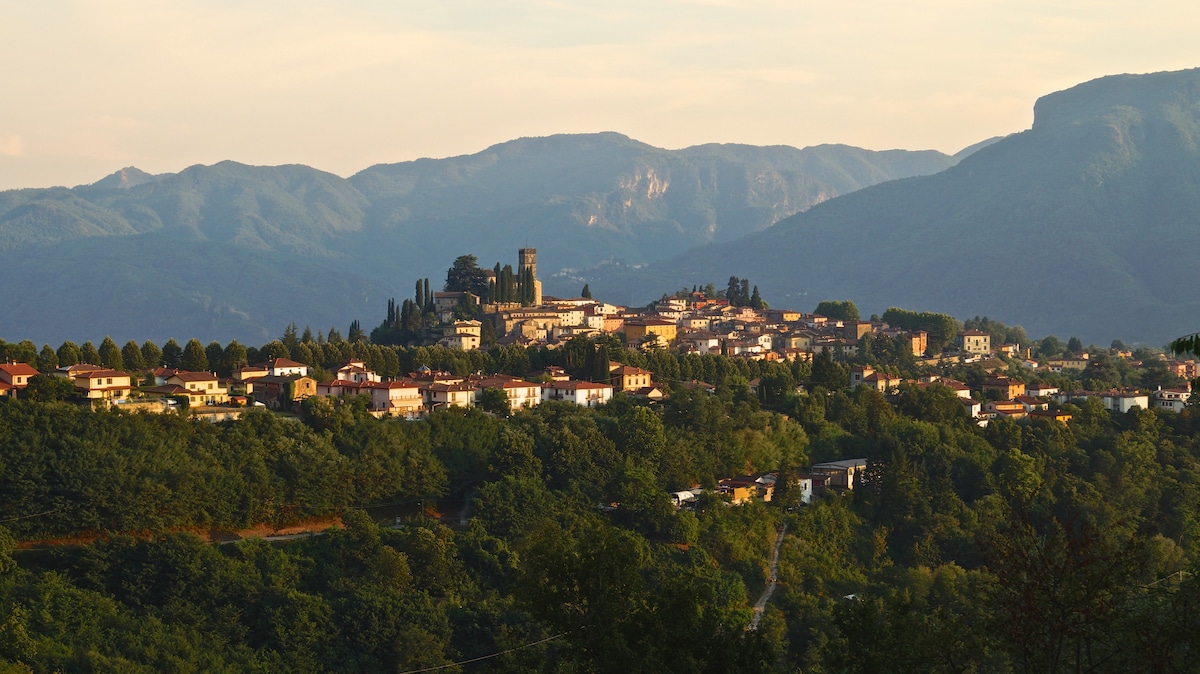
(19, 368)
(184, 375)
(575, 385)
(96, 374)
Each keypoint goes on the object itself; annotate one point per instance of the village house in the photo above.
(1171, 399)
(16, 376)
(521, 393)
(281, 392)
(1057, 416)
(462, 335)
(106, 385)
(439, 395)
(702, 343)
(583, 393)
(650, 331)
(356, 371)
(1079, 362)
(972, 407)
(444, 303)
(201, 388)
(1185, 369)
(841, 475)
(975, 341)
(1003, 388)
(400, 398)
(283, 367)
(881, 381)
(1008, 408)
(629, 378)
(1123, 401)
(1040, 390)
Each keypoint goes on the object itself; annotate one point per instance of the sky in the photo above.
(91, 87)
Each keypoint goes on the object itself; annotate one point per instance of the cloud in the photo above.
(10, 145)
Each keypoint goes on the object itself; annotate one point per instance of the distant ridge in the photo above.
(287, 236)
(1087, 224)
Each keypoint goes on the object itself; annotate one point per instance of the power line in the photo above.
(485, 657)
(23, 517)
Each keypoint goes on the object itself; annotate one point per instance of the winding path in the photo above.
(772, 581)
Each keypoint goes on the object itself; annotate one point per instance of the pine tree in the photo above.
(68, 354)
(131, 353)
(88, 354)
(151, 354)
(47, 360)
(194, 358)
(756, 302)
(172, 353)
(586, 293)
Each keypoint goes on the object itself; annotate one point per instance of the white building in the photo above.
(583, 393)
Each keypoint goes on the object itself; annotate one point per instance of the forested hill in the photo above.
(1088, 223)
(216, 250)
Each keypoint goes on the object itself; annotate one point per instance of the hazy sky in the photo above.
(89, 87)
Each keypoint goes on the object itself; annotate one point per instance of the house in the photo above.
(809, 485)
(628, 378)
(444, 303)
(356, 371)
(739, 489)
(400, 398)
(1171, 399)
(1187, 369)
(583, 393)
(17, 375)
(521, 393)
(1057, 416)
(975, 341)
(972, 407)
(1003, 387)
(462, 335)
(1123, 401)
(881, 381)
(1008, 408)
(841, 475)
(1031, 403)
(70, 372)
(246, 373)
(652, 393)
(280, 367)
(201, 388)
(701, 342)
(1040, 390)
(107, 385)
(859, 374)
(655, 331)
(1079, 362)
(281, 392)
(437, 395)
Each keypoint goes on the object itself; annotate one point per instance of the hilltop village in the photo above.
(1005, 379)
(734, 323)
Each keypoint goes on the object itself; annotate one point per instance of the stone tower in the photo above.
(527, 259)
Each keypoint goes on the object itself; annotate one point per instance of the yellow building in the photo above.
(638, 330)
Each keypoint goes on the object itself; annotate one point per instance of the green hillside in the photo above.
(1088, 224)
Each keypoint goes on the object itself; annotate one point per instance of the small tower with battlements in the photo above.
(527, 260)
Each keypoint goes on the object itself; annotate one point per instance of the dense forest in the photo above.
(1031, 546)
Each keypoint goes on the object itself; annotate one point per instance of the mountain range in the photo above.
(236, 251)
(1086, 224)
